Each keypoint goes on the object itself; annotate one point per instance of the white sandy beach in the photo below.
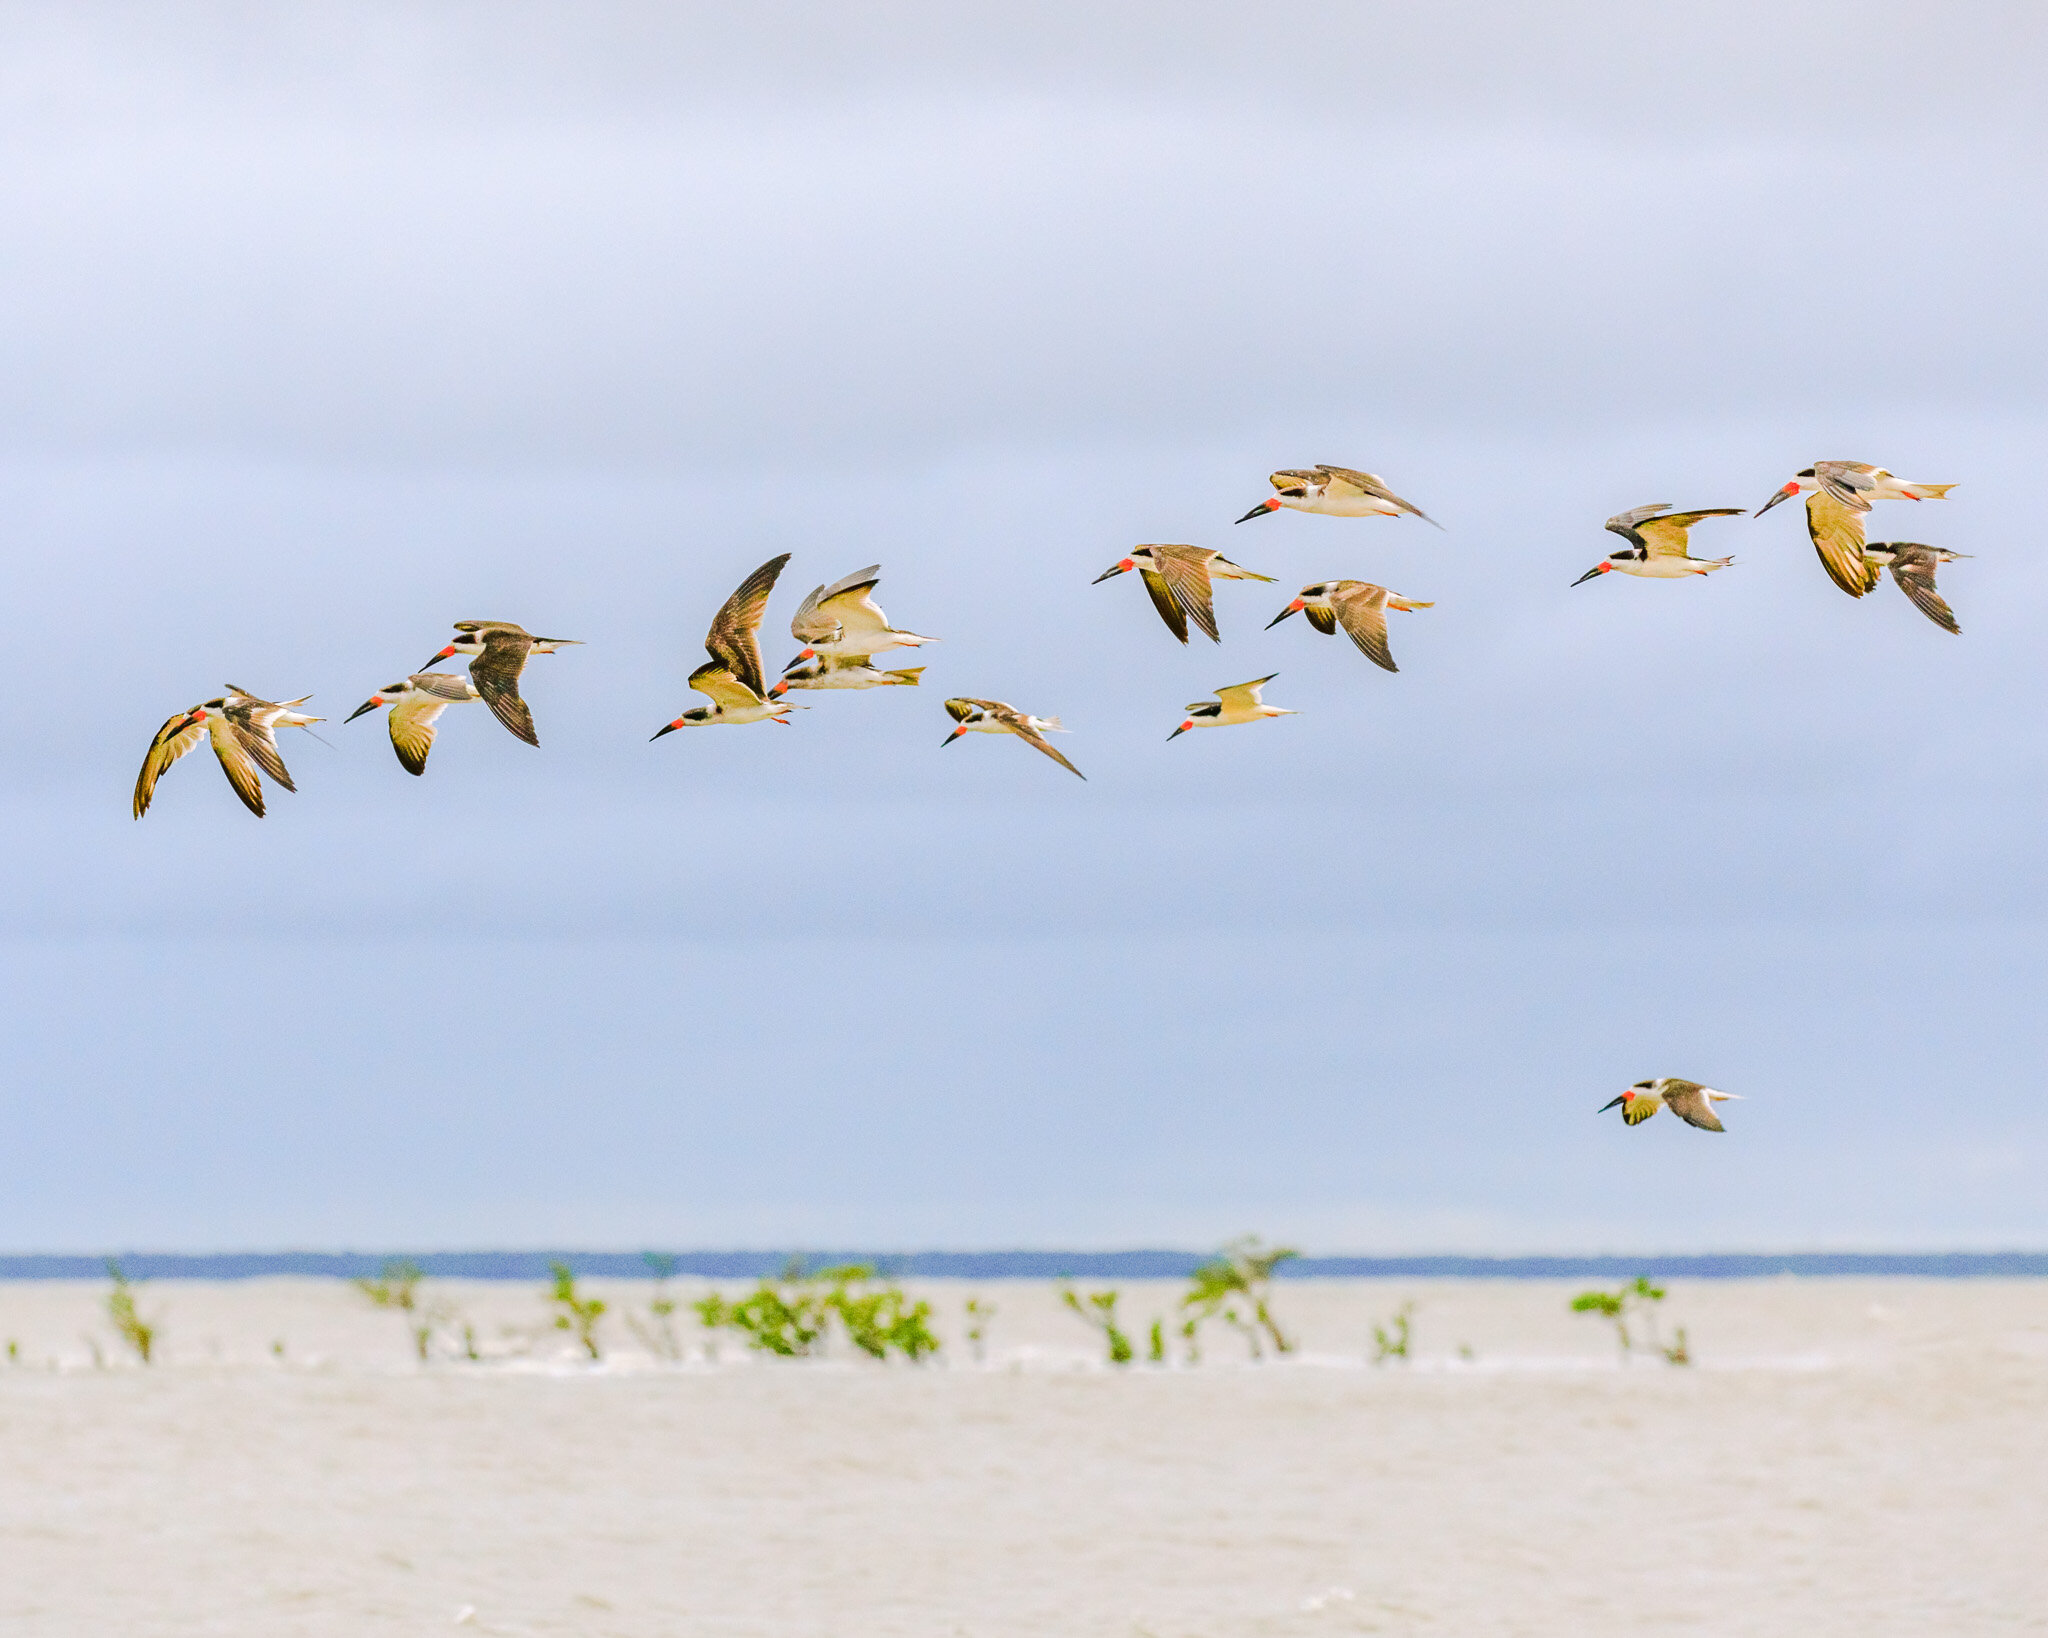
(1848, 1456)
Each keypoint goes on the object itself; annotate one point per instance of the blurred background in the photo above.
(324, 326)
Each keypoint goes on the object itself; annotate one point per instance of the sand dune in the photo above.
(1866, 1457)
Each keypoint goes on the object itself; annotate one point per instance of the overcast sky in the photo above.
(324, 326)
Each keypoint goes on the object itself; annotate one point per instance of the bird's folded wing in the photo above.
(236, 762)
(495, 672)
(1841, 480)
(1915, 577)
(1641, 1107)
(961, 709)
(254, 724)
(445, 686)
(169, 743)
(733, 640)
(1364, 615)
(1837, 534)
(1367, 483)
(412, 732)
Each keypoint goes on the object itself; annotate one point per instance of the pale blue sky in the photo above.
(322, 327)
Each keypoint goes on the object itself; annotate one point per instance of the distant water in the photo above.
(1029, 1265)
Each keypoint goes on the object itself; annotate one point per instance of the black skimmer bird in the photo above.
(1688, 1100)
(1361, 609)
(498, 652)
(731, 679)
(843, 671)
(1233, 705)
(1336, 492)
(1912, 566)
(416, 705)
(1178, 577)
(841, 621)
(994, 717)
(243, 730)
(1656, 545)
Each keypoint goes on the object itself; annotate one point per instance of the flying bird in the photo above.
(1238, 703)
(1656, 545)
(498, 652)
(1178, 577)
(843, 671)
(1337, 492)
(1912, 566)
(1361, 609)
(994, 717)
(1838, 493)
(731, 679)
(416, 705)
(842, 621)
(243, 731)
(1688, 1100)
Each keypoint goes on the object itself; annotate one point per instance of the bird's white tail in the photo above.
(907, 678)
(1928, 491)
(1052, 725)
(1717, 563)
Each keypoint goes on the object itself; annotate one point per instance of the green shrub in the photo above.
(140, 1334)
(577, 1314)
(398, 1288)
(1390, 1341)
(790, 1315)
(1098, 1309)
(657, 1333)
(1235, 1285)
(1638, 1298)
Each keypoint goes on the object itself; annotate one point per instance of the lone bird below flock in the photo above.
(1337, 492)
(1912, 566)
(1688, 1100)
(499, 651)
(731, 679)
(1361, 609)
(243, 729)
(416, 705)
(1838, 493)
(1238, 703)
(1178, 577)
(841, 621)
(1657, 545)
(994, 717)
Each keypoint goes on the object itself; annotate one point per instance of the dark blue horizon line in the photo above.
(1023, 1265)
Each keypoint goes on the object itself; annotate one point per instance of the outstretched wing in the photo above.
(1366, 483)
(829, 609)
(1914, 573)
(961, 709)
(412, 731)
(236, 762)
(178, 735)
(734, 639)
(1666, 536)
(1836, 530)
(1032, 737)
(1244, 694)
(1689, 1102)
(725, 690)
(495, 672)
(1847, 482)
(1183, 580)
(255, 721)
(1363, 611)
(1624, 523)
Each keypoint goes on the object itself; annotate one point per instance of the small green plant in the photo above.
(1098, 1309)
(1390, 1341)
(398, 1288)
(1638, 1298)
(13, 1352)
(979, 1313)
(657, 1333)
(1155, 1351)
(879, 1318)
(1235, 1285)
(139, 1333)
(577, 1313)
(791, 1314)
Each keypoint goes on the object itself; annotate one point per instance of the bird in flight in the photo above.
(841, 621)
(1688, 1100)
(1238, 703)
(731, 679)
(243, 730)
(1838, 493)
(1656, 545)
(498, 652)
(1337, 492)
(1361, 609)
(1912, 566)
(994, 717)
(416, 705)
(1178, 577)
(843, 671)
